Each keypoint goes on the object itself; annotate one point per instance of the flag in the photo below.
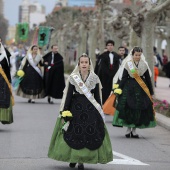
(43, 36)
(22, 31)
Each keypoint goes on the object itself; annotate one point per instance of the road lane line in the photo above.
(126, 160)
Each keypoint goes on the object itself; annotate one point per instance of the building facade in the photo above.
(62, 3)
(32, 13)
(24, 11)
(1, 7)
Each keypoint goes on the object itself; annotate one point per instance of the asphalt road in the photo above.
(24, 144)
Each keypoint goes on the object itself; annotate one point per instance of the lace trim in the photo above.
(90, 83)
(142, 67)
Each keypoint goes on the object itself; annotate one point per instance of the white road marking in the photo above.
(126, 160)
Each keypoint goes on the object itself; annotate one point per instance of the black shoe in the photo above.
(4, 122)
(29, 101)
(72, 165)
(134, 136)
(49, 99)
(32, 101)
(81, 167)
(128, 135)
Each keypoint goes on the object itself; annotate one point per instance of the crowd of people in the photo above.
(32, 75)
(80, 134)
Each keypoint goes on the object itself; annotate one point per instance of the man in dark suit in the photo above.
(107, 68)
(54, 74)
(122, 55)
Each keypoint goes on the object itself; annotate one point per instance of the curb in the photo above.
(163, 121)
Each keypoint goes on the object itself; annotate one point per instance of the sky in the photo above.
(11, 7)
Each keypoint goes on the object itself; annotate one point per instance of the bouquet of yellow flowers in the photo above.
(20, 73)
(67, 116)
(115, 86)
(117, 91)
(18, 78)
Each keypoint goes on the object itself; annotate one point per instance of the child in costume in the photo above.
(84, 139)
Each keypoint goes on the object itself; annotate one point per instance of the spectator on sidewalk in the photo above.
(159, 64)
(165, 58)
(166, 69)
(156, 70)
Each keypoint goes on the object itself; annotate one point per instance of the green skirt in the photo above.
(121, 122)
(59, 150)
(6, 115)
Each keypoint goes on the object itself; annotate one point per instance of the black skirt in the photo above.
(86, 129)
(32, 83)
(134, 105)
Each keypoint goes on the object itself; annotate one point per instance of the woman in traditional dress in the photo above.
(86, 140)
(31, 86)
(6, 97)
(135, 106)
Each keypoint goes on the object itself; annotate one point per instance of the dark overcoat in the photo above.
(54, 76)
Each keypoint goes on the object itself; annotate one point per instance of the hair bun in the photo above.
(84, 54)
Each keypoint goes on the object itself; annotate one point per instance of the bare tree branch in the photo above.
(160, 7)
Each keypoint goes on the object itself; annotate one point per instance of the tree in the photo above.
(3, 27)
(147, 35)
(143, 23)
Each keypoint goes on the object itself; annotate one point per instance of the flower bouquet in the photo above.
(117, 91)
(18, 78)
(115, 86)
(66, 116)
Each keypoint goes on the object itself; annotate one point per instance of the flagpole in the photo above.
(35, 36)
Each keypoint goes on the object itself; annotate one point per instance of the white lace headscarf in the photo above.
(29, 52)
(76, 71)
(3, 53)
(119, 73)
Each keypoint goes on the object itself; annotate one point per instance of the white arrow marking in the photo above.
(126, 160)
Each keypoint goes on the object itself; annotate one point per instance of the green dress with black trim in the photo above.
(6, 113)
(134, 109)
(87, 139)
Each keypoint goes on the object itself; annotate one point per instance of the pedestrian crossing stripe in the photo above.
(126, 160)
